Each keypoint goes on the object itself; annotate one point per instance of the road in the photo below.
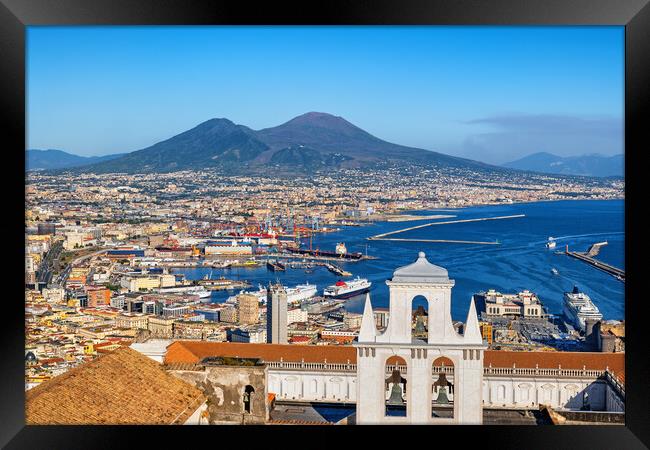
(46, 268)
(63, 276)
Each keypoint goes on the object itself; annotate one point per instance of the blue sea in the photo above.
(520, 260)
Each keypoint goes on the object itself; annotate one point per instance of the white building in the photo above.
(297, 315)
(511, 380)
(54, 294)
(412, 384)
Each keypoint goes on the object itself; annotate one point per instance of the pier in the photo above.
(448, 222)
(450, 241)
(337, 270)
(308, 257)
(275, 266)
(595, 249)
(614, 271)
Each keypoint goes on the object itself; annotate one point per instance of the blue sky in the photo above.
(489, 93)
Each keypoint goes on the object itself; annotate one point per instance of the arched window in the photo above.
(442, 388)
(420, 318)
(395, 387)
(248, 398)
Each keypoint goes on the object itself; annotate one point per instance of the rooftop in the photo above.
(122, 387)
(421, 271)
(195, 351)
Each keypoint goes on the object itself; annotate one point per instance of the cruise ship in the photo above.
(294, 295)
(347, 289)
(578, 307)
(190, 290)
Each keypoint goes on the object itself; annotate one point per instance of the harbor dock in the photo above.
(582, 256)
(450, 241)
(448, 222)
(337, 270)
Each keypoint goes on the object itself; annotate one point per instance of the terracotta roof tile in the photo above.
(552, 360)
(194, 351)
(122, 387)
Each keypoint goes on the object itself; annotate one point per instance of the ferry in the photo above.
(294, 295)
(551, 242)
(347, 289)
(578, 307)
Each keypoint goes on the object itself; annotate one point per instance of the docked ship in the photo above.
(578, 307)
(347, 289)
(190, 290)
(294, 295)
(551, 242)
(275, 266)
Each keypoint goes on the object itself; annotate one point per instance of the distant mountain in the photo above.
(58, 159)
(308, 142)
(214, 143)
(587, 165)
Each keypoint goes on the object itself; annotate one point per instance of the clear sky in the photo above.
(489, 93)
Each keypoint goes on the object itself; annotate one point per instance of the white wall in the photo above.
(498, 391)
(312, 385)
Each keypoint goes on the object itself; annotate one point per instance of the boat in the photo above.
(294, 295)
(347, 289)
(578, 307)
(190, 290)
(247, 263)
(275, 266)
(554, 271)
(551, 242)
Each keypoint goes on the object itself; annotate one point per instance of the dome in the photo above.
(421, 271)
(30, 357)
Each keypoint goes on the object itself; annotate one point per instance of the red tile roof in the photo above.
(122, 387)
(194, 351)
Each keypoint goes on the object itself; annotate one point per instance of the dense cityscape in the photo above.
(101, 254)
(325, 225)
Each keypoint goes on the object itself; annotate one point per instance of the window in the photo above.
(248, 397)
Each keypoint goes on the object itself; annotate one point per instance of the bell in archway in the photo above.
(396, 395)
(419, 325)
(442, 396)
(396, 391)
(442, 385)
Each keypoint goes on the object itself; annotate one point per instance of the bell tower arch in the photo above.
(421, 278)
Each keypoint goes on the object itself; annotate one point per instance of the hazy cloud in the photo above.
(516, 135)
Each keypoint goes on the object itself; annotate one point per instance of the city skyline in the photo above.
(91, 94)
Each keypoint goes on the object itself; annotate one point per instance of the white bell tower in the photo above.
(424, 388)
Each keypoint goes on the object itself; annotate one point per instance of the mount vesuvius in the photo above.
(310, 142)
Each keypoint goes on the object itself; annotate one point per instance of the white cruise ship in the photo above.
(578, 307)
(347, 289)
(190, 290)
(294, 294)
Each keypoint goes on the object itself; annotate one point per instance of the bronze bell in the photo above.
(396, 395)
(419, 325)
(442, 396)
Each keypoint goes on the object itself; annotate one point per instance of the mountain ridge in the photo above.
(37, 159)
(593, 164)
(315, 140)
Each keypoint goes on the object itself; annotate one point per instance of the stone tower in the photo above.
(276, 314)
(422, 387)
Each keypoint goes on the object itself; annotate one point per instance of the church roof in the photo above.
(421, 271)
(194, 351)
(123, 387)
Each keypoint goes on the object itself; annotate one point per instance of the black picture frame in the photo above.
(15, 15)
